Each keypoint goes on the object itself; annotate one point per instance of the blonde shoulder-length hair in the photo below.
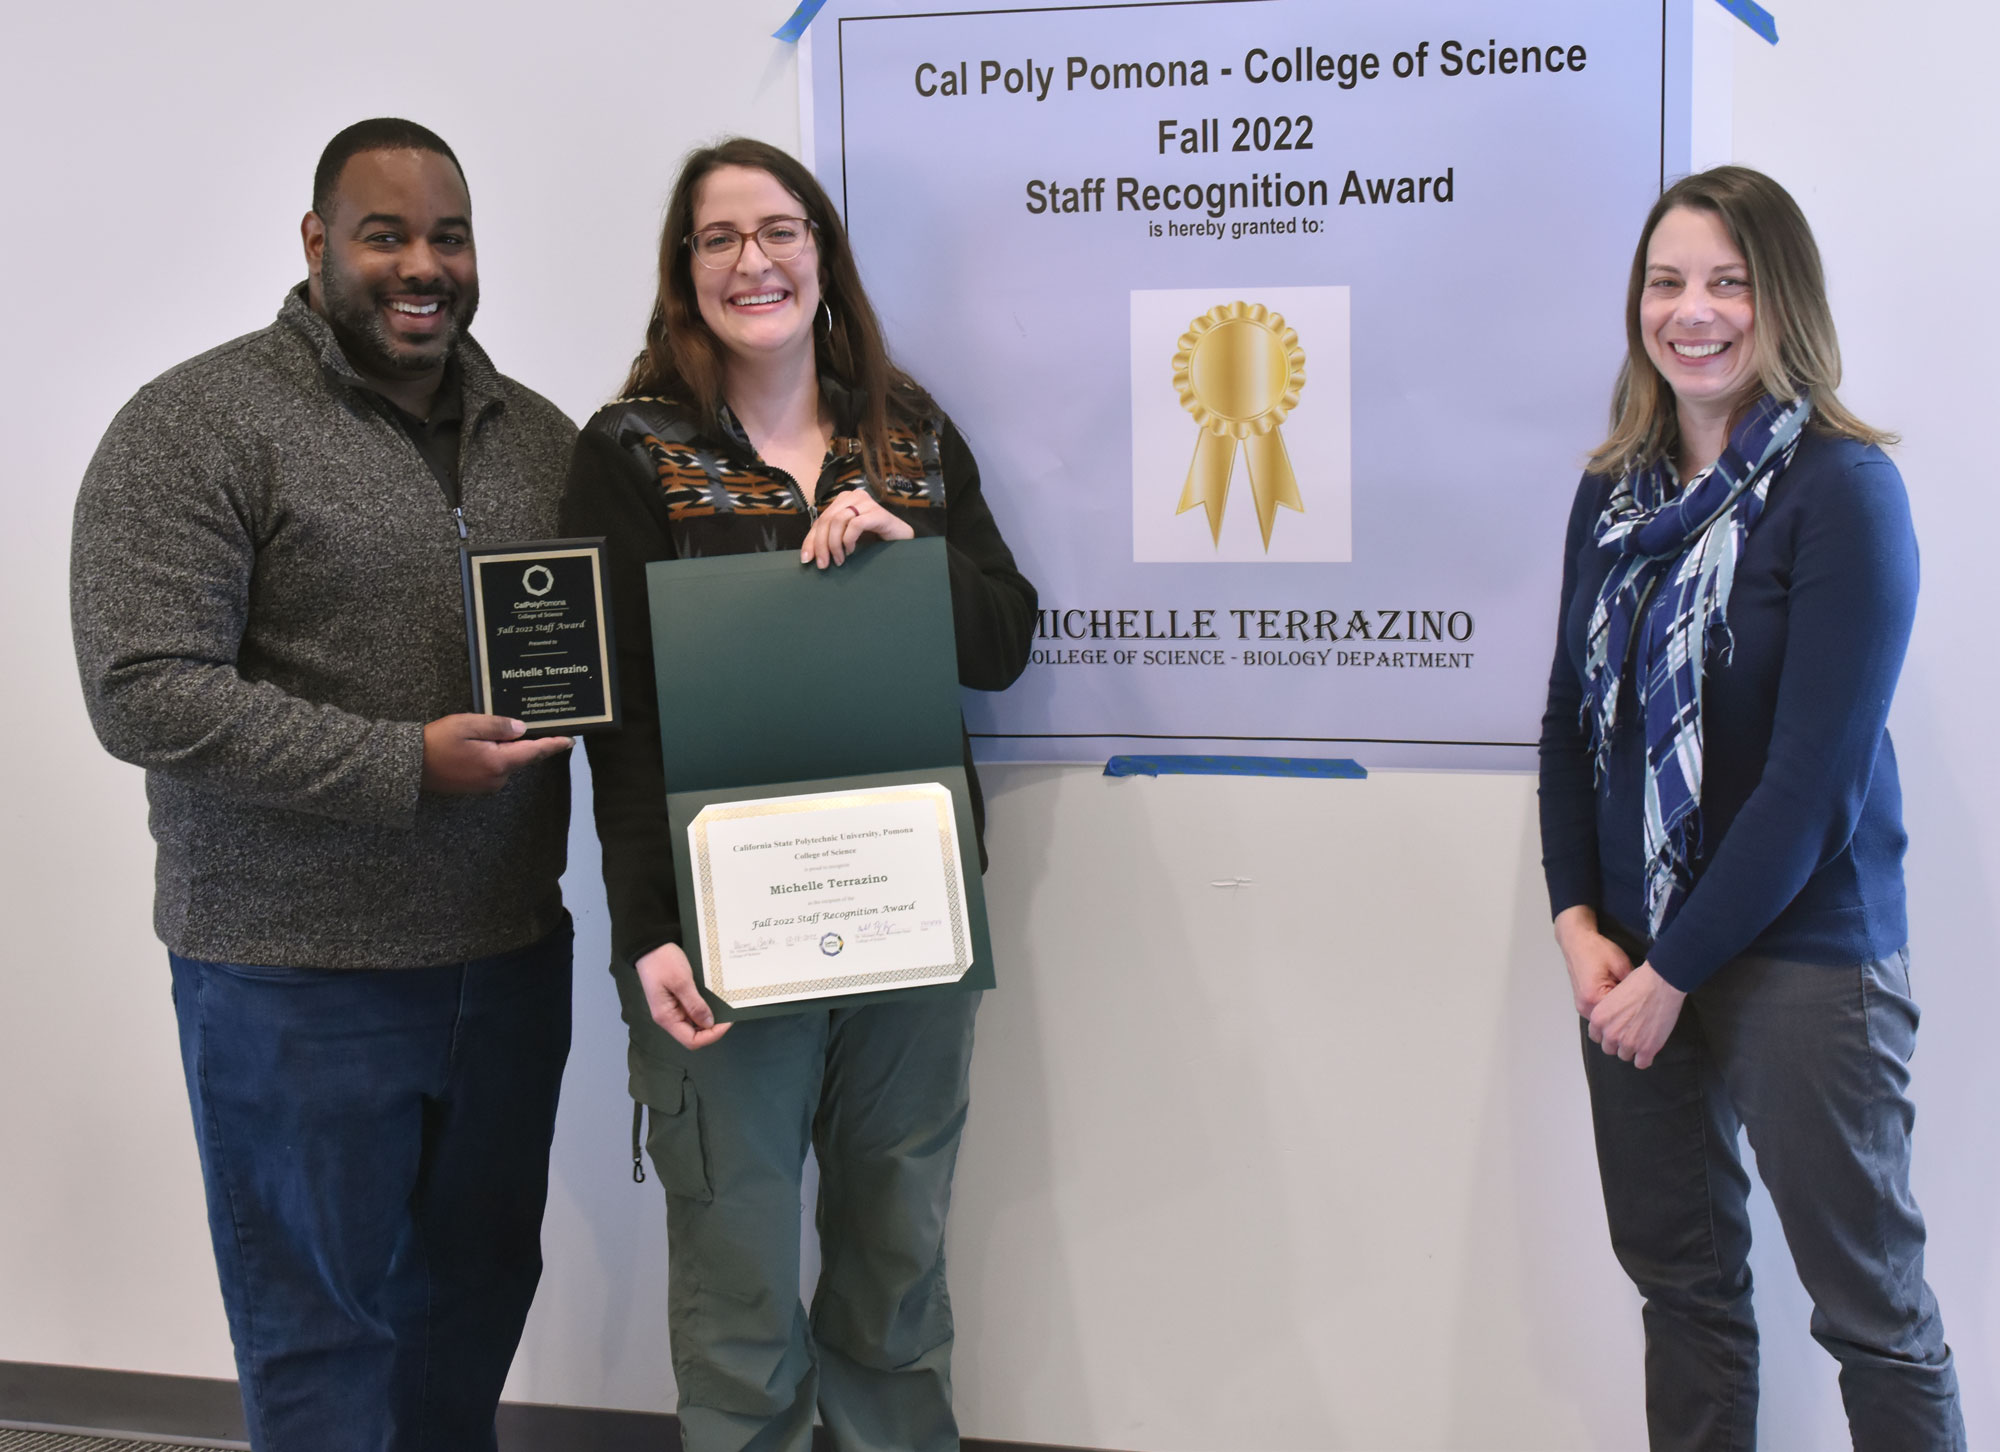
(1797, 352)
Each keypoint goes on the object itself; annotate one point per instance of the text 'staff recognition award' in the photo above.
(830, 893)
(540, 634)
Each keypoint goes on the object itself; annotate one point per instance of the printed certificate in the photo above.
(829, 893)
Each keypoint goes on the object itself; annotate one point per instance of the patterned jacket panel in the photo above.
(722, 499)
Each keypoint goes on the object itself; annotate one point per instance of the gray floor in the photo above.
(14, 1441)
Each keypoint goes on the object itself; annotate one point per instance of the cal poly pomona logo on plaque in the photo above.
(1234, 366)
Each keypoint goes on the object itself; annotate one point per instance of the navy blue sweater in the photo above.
(1801, 850)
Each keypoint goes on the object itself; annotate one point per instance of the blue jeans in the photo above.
(375, 1148)
(1813, 1062)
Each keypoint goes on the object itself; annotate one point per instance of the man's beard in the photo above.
(358, 326)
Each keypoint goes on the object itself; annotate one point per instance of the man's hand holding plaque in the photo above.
(474, 755)
(540, 635)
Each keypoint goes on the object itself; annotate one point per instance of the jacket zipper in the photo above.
(812, 513)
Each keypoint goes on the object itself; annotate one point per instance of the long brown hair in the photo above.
(1797, 351)
(683, 359)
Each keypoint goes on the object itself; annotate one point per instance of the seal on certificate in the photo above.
(1239, 370)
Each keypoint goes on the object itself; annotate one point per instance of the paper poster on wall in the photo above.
(1280, 329)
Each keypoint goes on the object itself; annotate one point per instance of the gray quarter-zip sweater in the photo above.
(265, 592)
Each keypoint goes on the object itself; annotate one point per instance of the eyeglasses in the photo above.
(780, 239)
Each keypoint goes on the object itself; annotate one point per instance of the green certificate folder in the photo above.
(781, 681)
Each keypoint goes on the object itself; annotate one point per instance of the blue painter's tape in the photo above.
(802, 17)
(1321, 766)
(1753, 15)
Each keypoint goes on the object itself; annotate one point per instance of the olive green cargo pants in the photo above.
(879, 1093)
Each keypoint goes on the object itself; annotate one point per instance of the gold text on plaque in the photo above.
(1239, 371)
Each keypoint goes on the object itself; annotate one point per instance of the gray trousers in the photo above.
(1813, 1062)
(880, 1094)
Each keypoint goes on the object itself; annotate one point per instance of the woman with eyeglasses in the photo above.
(1722, 828)
(763, 415)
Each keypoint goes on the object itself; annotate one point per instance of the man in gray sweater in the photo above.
(357, 879)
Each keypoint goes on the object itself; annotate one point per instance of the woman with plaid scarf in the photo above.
(1722, 827)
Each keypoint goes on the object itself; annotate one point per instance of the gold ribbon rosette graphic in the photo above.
(1239, 371)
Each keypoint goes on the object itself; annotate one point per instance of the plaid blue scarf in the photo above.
(1677, 560)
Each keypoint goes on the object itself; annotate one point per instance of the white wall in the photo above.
(1882, 120)
(1298, 1161)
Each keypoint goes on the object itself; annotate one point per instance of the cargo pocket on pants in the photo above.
(673, 1131)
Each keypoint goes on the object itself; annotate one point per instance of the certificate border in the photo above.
(476, 559)
(937, 793)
